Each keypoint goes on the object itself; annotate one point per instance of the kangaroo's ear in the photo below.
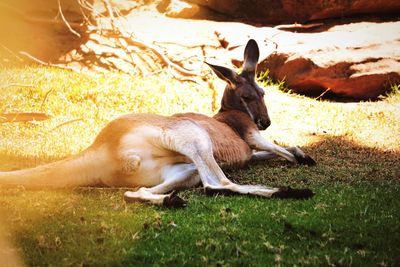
(251, 55)
(224, 73)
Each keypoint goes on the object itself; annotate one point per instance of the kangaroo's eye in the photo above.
(247, 98)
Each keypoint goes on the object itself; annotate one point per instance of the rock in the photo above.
(290, 11)
(359, 60)
(181, 9)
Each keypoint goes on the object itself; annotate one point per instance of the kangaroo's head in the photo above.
(242, 92)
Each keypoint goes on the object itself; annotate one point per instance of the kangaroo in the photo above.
(163, 154)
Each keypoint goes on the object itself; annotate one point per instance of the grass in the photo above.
(247, 231)
(351, 221)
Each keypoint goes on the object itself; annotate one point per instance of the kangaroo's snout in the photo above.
(263, 124)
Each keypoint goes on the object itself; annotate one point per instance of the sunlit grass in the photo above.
(93, 99)
(299, 120)
(353, 220)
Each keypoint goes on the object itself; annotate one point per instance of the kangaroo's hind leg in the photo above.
(175, 177)
(191, 140)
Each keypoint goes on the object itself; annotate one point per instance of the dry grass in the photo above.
(303, 121)
(92, 99)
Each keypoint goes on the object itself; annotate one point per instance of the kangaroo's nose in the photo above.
(267, 124)
(262, 125)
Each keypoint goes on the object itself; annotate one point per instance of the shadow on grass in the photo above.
(352, 220)
(338, 158)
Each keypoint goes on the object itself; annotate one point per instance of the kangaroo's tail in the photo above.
(88, 168)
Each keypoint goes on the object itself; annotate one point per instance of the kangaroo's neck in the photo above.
(239, 121)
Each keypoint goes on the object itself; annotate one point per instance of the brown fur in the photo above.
(230, 150)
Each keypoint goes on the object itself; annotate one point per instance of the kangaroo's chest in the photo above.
(230, 151)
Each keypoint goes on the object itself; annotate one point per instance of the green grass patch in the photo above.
(351, 221)
(341, 226)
